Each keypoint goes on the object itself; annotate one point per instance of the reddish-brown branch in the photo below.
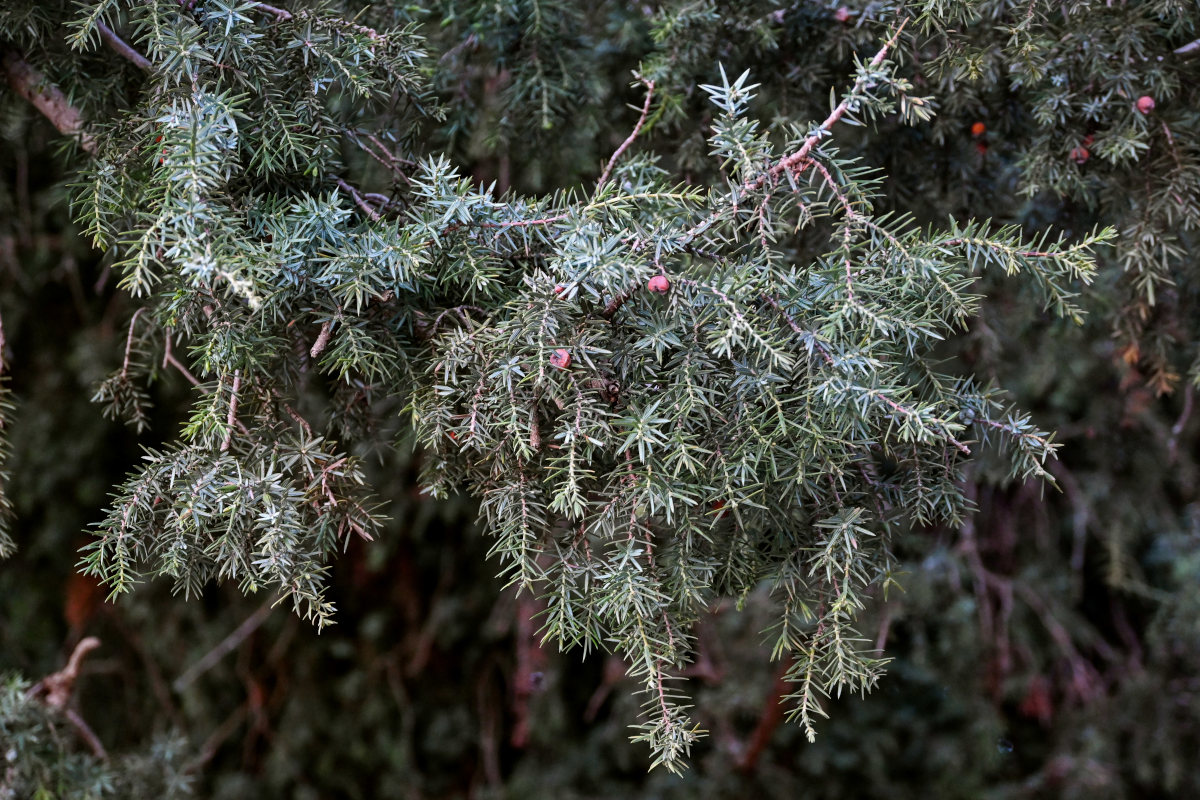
(56, 690)
(169, 359)
(122, 48)
(231, 419)
(322, 339)
(294, 414)
(768, 721)
(619, 300)
(612, 162)
(359, 201)
(225, 646)
(279, 13)
(47, 98)
(796, 158)
(531, 660)
(88, 735)
(908, 412)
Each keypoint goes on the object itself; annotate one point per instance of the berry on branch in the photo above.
(659, 284)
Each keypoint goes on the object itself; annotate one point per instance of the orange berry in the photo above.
(561, 358)
(978, 129)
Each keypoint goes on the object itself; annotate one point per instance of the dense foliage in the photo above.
(747, 331)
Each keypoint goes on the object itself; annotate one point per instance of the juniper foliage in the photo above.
(281, 191)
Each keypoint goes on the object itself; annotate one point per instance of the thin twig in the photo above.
(628, 141)
(358, 200)
(218, 737)
(908, 412)
(231, 419)
(279, 13)
(293, 413)
(56, 690)
(815, 137)
(801, 156)
(169, 359)
(48, 99)
(768, 721)
(389, 160)
(129, 342)
(224, 647)
(86, 732)
(619, 300)
(1188, 49)
(1189, 397)
(322, 339)
(122, 48)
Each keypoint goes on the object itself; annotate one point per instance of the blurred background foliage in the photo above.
(1050, 648)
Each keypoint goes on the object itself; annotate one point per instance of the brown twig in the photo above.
(531, 660)
(768, 721)
(48, 99)
(279, 13)
(388, 160)
(1189, 397)
(224, 647)
(85, 731)
(169, 359)
(218, 737)
(129, 342)
(619, 300)
(56, 690)
(795, 161)
(322, 339)
(612, 162)
(908, 412)
(788, 162)
(294, 414)
(122, 48)
(359, 201)
(231, 419)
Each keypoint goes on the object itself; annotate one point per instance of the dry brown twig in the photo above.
(48, 99)
(629, 140)
(57, 689)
